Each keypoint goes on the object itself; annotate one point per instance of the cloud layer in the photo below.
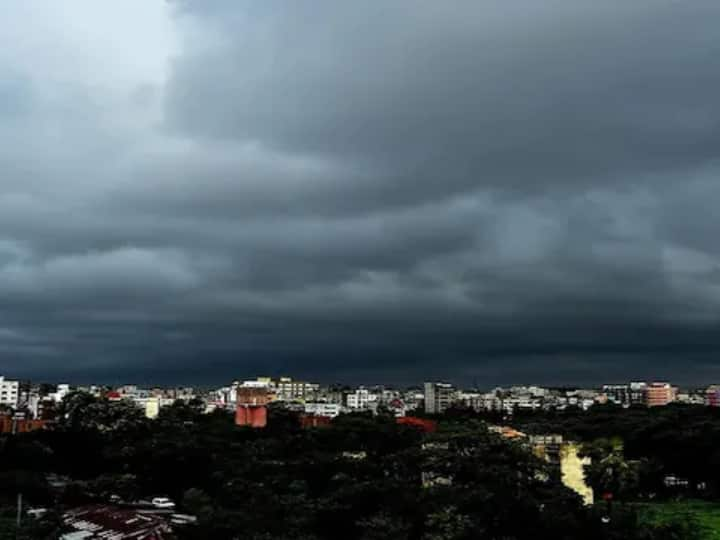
(372, 191)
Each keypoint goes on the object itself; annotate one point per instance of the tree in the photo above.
(197, 502)
(448, 524)
(609, 473)
(80, 411)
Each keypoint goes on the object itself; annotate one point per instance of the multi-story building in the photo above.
(520, 403)
(438, 397)
(712, 396)
(289, 390)
(360, 399)
(9, 392)
(659, 394)
(638, 393)
(473, 400)
(617, 393)
(127, 390)
(330, 410)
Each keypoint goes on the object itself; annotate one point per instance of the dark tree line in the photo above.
(678, 441)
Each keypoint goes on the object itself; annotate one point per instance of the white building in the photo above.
(330, 410)
(9, 392)
(360, 400)
(62, 391)
(290, 390)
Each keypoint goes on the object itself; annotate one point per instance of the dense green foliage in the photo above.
(362, 478)
(677, 440)
(696, 515)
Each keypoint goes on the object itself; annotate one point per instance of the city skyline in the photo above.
(373, 191)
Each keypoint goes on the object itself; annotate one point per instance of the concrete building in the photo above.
(638, 393)
(438, 397)
(659, 394)
(9, 392)
(360, 399)
(617, 393)
(288, 389)
(397, 407)
(329, 410)
(59, 394)
(712, 396)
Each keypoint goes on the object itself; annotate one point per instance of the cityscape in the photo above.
(522, 417)
(32, 402)
(359, 270)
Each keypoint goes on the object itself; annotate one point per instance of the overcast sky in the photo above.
(484, 191)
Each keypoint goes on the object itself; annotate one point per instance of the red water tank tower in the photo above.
(251, 407)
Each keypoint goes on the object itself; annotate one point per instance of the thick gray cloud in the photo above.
(368, 191)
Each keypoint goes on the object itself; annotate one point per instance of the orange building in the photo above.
(659, 394)
(251, 409)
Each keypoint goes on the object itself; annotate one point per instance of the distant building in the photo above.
(330, 410)
(438, 397)
(712, 396)
(288, 389)
(9, 392)
(360, 399)
(62, 391)
(638, 393)
(659, 394)
(397, 407)
(617, 393)
(251, 409)
(127, 390)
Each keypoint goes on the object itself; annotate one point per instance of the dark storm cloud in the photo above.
(464, 95)
(375, 190)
